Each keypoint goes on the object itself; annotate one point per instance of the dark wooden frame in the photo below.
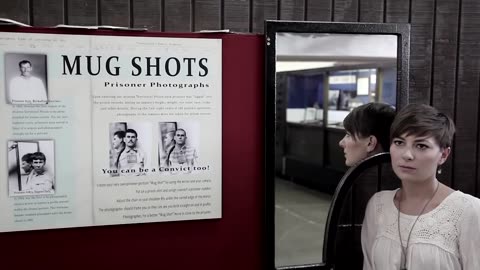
(272, 27)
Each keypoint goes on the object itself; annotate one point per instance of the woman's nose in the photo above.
(407, 154)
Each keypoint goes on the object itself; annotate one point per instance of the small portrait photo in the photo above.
(26, 78)
(31, 167)
(178, 145)
(333, 96)
(130, 143)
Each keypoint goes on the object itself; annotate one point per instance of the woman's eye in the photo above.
(397, 142)
(422, 146)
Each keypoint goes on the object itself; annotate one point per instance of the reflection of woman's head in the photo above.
(367, 131)
(371, 119)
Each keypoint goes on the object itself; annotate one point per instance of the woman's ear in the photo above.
(372, 143)
(445, 153)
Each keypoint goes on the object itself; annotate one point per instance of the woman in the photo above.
(367, 128)
(424, 224)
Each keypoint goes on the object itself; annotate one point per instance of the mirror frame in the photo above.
(272, 27)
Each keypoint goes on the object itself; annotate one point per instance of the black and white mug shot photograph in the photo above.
(31, 167)
(26, 78)
(178, 146)
(130, 144)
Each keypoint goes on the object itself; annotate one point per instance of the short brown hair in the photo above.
(423, 120)
(371, 119)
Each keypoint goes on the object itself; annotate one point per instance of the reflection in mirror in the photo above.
(320, 78)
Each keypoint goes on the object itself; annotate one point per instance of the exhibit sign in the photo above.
(101, 130)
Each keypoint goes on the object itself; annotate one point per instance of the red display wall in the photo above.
(233, 242)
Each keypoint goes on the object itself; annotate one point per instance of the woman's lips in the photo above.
(406, 168)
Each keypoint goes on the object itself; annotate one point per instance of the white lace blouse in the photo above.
(446, 238)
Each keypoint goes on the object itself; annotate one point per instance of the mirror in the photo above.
(316, 73)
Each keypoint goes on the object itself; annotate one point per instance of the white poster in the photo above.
(102, 130)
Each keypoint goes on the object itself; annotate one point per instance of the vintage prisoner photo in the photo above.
(31, 167)
(178, 144)
(129, 151)
(26, 78)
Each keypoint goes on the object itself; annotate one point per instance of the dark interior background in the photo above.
(444, 72)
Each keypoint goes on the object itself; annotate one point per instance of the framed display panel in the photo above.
(109, 127)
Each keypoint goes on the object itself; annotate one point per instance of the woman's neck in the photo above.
(420, 190)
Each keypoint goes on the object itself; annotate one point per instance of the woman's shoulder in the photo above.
(463, 199)
(465, 205)
(382, 200)
(469, 202)
(384, 195)
(380, 203)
